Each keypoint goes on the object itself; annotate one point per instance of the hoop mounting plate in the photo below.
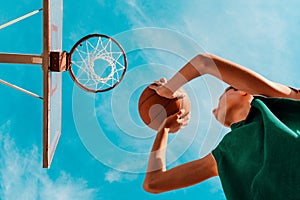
(58, 61)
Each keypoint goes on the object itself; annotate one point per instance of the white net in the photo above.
(98, 63)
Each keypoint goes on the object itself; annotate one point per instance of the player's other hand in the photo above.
(177, 121)
(162, 90)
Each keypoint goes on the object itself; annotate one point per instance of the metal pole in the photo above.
(20, 89)
(20, 18)
(46, 83)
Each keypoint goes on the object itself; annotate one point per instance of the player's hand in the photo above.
(177, 121)
(162, 90)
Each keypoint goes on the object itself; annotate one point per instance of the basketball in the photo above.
(154, 109)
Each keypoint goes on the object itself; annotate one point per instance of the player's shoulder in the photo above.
(296, 92)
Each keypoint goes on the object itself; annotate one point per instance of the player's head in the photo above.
(233, 106)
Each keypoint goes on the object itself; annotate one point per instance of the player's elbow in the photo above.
(203, 62)
(206, 59)
(151, 187)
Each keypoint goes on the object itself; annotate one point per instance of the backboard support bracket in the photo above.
(13, 58)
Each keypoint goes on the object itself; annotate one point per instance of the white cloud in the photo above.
(113, 176)
(102, 109)
(134, 5)
(22, 177)
(134, 13)
(215, 185)
(117, 176)
(253, 33)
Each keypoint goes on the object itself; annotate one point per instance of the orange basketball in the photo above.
(154, 109)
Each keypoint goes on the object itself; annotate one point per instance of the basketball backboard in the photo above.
(52, 108)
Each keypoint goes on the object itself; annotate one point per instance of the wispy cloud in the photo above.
(215, 185)
(134, 13)
(254, 34)
(117, 176)
(21, 175)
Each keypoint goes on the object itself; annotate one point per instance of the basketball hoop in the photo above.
(97, 63)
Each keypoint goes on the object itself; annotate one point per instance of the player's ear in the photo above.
(243, 93)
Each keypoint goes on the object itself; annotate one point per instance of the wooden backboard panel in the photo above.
(52, 41)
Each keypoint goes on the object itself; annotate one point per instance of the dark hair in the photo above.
(229, 88)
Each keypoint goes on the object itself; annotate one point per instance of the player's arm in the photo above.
(233, 74)
(158, 179)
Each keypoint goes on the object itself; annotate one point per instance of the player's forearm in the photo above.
(193, 69)
(246, 80)
(181, 176)
(157, 158)
(233, 74)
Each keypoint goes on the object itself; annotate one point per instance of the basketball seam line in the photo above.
(163, 105)
(146, 99)
(166, 108)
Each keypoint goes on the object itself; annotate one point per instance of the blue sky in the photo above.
(103, 149)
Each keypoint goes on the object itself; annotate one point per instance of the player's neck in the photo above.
(240, 112)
